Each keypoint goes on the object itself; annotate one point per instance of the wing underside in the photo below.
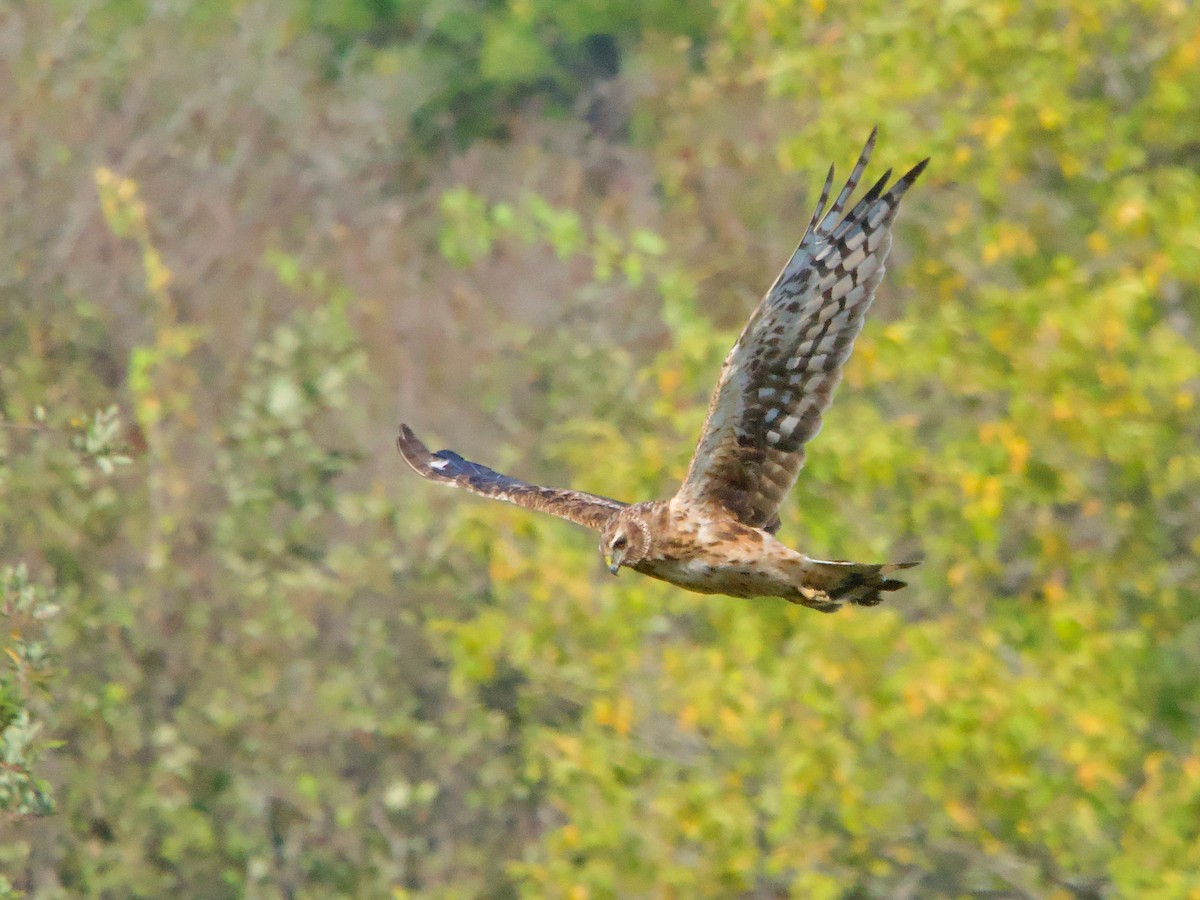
(448, 467)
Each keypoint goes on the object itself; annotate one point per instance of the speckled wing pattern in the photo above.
(779, 377)
(448, 467)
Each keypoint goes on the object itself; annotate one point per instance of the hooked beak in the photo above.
(613, 562)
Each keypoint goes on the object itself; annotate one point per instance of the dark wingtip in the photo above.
(414, 452)
(911, 175)
(877, 188)
(406, 439)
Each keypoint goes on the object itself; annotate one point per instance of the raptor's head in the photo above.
(625, 540)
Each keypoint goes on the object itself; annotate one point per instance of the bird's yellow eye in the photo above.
(619, 542)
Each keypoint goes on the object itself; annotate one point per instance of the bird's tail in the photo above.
(827, 584)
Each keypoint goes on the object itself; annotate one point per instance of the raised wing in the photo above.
(448, 467)
(779, 377)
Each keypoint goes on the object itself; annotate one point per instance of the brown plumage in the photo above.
(716, 535)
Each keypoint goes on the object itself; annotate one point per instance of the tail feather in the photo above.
(828, 584)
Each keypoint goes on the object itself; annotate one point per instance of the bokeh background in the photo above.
(249, 654)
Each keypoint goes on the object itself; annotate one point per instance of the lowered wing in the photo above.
(448, 467)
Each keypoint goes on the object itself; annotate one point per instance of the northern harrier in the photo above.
(716, 535)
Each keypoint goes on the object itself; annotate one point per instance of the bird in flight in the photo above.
(716, 535)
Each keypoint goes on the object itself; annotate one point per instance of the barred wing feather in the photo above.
(780, 375)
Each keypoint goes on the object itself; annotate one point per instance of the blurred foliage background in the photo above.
(249, 654)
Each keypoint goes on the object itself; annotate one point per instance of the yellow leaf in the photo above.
(500, 569)
(1092, 772)
(1152, 766)
(962, 816)
(668, 381)
(622, 715)
(971, 483)
(1130, 213)
(1018, 453)
(914, 702)
(1191, 768)
(158, 276)
(1112, 330)
(1053, 591)
(604, 712)
(1049, 116)
(996, 129)
(956, 575)
(731, 722)
(688, 716)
